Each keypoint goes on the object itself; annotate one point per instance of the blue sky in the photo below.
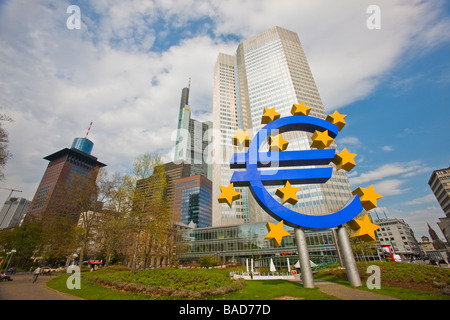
(125, 68)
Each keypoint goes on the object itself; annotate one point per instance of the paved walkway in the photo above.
(23, 288)
(345, 293)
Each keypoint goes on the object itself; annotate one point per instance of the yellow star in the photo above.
(337, 119)
(269, 115)
(300, 109)
(277, 143)
(344, 160)
(228, 195)
(287, 194)
(321, 140)
(241, 138)
(363, 228)
(276, 232)
(368, 197)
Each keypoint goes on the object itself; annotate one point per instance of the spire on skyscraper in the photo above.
(437, 243)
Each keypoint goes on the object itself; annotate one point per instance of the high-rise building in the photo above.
(192, 201)
(192, 139)
(440, 185)
(268, 70)
(63, 165)
(173, 172)
(13, 212)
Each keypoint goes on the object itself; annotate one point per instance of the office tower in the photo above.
(192, 139)
(192, 201)
(268, 70)
(13, 212)
(173, 172)
(63, 165)
(440, 185)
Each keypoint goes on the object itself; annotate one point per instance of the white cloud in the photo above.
(389, 187)
(387, 148)
(55, 81)
(349, 141)
(425, 199)
(404, 170)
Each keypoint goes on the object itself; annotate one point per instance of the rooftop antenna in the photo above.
(88, 130)
(385, 214)
(189, 85)
(378, 218)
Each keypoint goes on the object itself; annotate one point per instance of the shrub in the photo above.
(169, 282)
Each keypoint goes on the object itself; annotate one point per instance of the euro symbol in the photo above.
(257, 179)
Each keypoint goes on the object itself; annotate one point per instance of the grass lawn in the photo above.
(275, 289)
(253, 290)
(400, 280)
(403, 281)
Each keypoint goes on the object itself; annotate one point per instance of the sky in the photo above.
(126, 65)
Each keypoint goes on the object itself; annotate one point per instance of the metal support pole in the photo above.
(349, 259)
(336, 243)
(303, 256)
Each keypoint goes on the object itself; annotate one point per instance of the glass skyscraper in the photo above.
(192, 139)
(268, 70)
(192, 201)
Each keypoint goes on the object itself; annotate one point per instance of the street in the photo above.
(23, 288)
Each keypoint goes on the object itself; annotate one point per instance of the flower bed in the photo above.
(194, 283)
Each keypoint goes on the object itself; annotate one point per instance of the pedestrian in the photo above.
(36, 274)
(4, 276)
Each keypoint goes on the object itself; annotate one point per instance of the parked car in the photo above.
(48, 270)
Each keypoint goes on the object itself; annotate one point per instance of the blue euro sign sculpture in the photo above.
(256, 179)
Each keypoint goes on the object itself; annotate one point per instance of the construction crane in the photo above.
(12, 190)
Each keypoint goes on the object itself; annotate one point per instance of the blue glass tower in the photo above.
(83, 144)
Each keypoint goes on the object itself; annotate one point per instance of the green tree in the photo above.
(24, 240)
(5, 155)
(90, 193)
(145, 188)
(60, 237)
(207, 262)
(112, 230)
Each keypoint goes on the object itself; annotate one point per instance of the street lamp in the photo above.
(10, 258)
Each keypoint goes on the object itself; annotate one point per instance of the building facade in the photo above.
(236, 243)
(440, 185)
(192, 139)
(63, 165)
(192, 201)
(13, 211)
(399, 236)
(268, 70)
(426, 245)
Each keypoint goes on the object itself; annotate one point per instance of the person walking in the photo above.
(36, 274)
